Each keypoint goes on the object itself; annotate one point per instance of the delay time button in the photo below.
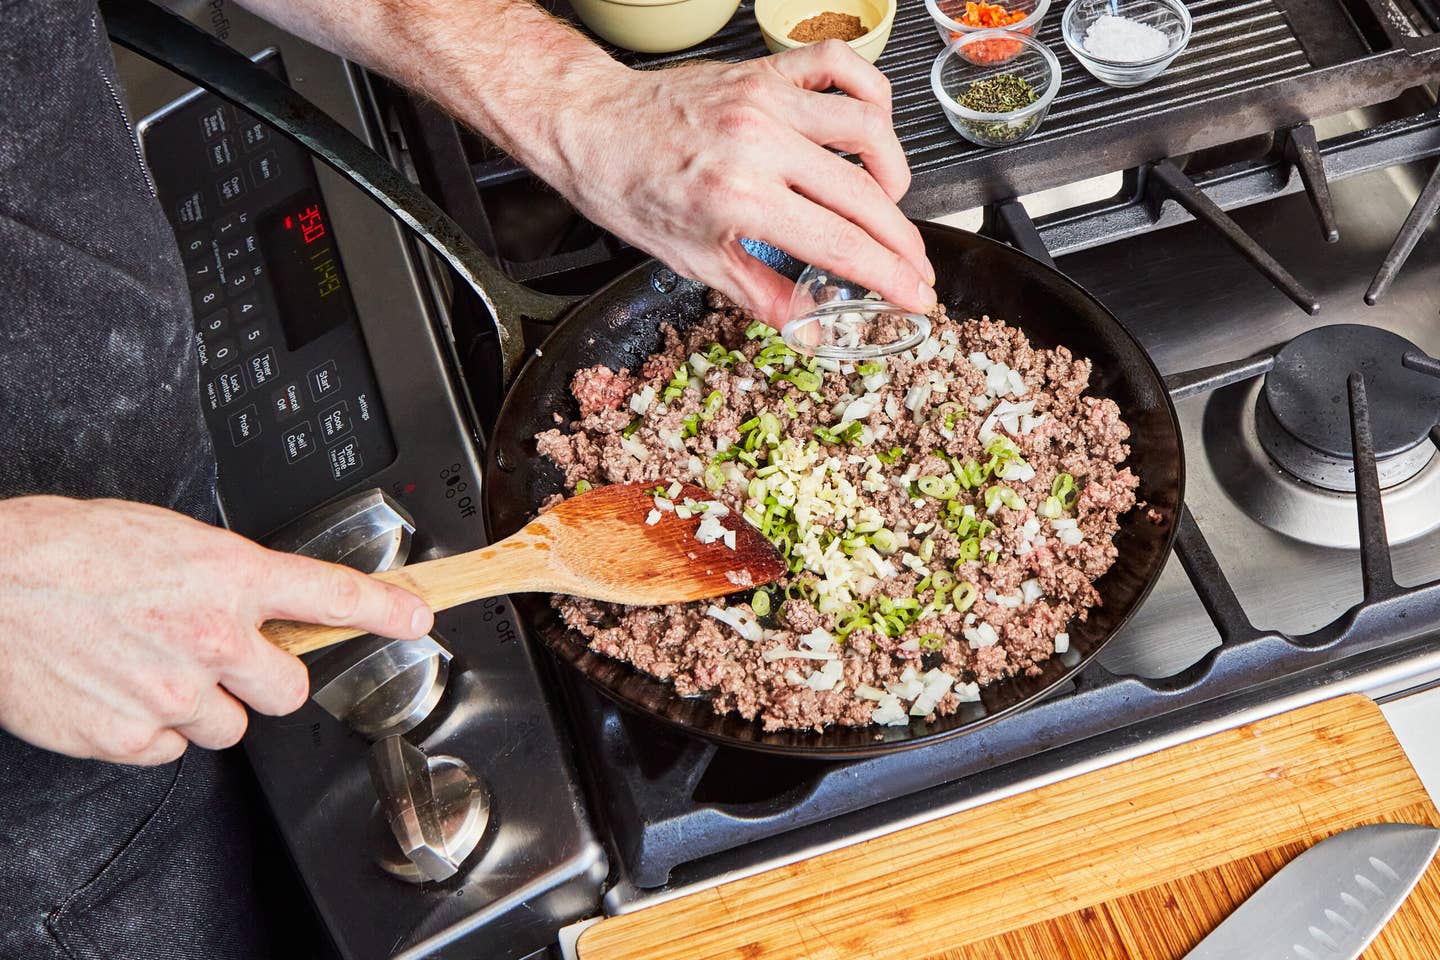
(245, 425)
(299, 442)
(345, 459)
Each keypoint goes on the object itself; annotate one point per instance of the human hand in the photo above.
(128, 631)
(685, 162)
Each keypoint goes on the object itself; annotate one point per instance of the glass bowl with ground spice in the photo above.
(1125, 43)
(955, 18)
(995, 85)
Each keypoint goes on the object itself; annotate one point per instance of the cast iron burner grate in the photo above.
(671, 800)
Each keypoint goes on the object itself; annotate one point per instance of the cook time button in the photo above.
(335, 422)
(345, 459)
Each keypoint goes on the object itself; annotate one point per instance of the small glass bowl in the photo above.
(947, 14)
(1170, 17)
(837, 319)
(989, 53)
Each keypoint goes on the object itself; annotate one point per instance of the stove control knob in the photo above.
(367, 531)
(432, 814)
(380, 687)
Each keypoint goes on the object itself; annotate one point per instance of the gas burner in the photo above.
(1259, 463)
(1303, 417)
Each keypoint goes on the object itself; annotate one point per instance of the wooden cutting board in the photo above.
(1139, 860)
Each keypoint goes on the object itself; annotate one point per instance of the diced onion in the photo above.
(1071, 537)
(1031, 591)
(736, 618)
(982, 635)
(652, 518)
(1062, 642)
(640, 402)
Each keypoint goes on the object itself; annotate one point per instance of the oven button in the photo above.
(215, 122)
(239, 249)
(221, 154)
(253, 336)
(335, 422)
(228, 225)
(299, 442)
(244, 309)
(324, 380)
(264, 168)
(262, 368)
(196, 249)
(286, 401)
(253, 134)
(345, 459)
(206, 299)
(245, 425)
(229, 386)
(190, 209)
(202, 273)
(230, 188)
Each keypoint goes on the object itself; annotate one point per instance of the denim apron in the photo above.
(99, 398)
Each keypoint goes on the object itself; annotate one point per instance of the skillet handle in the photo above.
(174, 42)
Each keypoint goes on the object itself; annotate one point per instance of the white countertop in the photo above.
(1416, 722)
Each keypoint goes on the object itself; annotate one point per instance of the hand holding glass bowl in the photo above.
(836, 319)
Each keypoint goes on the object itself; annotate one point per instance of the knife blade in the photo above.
(1329, 902)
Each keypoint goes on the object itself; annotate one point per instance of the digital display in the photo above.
(309, 283)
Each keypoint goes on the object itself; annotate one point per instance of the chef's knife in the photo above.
(1329, 902)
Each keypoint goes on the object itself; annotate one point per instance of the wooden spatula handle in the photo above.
(517, 564)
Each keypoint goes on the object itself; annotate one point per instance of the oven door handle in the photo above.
(175, 43)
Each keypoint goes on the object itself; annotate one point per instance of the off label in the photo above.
(494, 611)
(457, 490)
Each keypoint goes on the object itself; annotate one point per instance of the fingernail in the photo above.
(421, 620)
(926, 295)
(929, 272)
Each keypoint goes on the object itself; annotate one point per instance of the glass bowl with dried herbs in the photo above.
(995, 85)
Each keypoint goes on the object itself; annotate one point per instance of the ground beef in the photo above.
(1029, 582)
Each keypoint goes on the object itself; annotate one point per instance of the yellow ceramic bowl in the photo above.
(778, 17)
(655, 26)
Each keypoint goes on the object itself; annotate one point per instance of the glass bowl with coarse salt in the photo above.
(1125, 43)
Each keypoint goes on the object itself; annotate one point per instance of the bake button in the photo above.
(254, 134)
(345, 459)
(286, 401)
(262, 368)
(206, 299)
(253, 335)
(190, 209)
(220, 154)
(230, 385)
(215, 122)
(230, 188)
(299, 442)
(264, 168)
(245, 425)
(335, 422)
(324, 380)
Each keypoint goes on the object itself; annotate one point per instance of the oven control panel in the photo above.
(286, 383)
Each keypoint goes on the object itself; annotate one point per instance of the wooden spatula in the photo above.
(596, 545)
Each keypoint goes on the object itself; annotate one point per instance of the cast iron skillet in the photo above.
(618, 327)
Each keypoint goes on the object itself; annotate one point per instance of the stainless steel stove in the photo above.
(467, 797)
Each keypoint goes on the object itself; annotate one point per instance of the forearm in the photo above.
(505, 67)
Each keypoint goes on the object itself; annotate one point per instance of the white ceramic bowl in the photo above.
(655, 26)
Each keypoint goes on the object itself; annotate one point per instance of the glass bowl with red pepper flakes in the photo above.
(995, 86)
(956, 18)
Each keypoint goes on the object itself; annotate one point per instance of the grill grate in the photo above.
(1250, 68)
